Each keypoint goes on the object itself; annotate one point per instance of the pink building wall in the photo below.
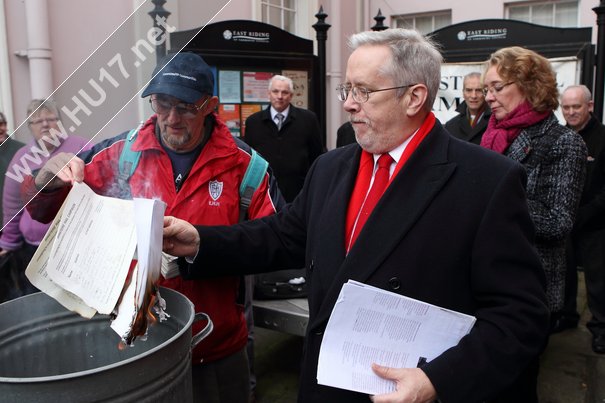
(78, 27)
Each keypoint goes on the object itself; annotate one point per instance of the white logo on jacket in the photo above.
(215, 188)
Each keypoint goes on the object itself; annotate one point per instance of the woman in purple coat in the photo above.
(21, 234)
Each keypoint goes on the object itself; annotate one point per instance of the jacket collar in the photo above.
(521, 148)
(592, 122)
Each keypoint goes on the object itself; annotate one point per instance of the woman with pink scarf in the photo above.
(520, 87)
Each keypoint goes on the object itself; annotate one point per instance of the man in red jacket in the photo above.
(190, 160)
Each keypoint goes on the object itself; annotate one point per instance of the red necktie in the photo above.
(381, 180)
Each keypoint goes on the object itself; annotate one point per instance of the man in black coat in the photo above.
(588, 237)
(287, 136)
(473, 112)
(452, 229)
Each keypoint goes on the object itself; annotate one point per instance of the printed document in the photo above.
(38, 275)
(370, 325)
(93, 248)
(84, 259)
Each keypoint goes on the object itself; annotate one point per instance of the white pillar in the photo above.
(38, 48)
(334, 74)
(6, 103)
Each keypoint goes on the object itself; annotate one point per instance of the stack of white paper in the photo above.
(83, 261)
(370, 325)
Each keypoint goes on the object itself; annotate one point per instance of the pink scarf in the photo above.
(500, 134)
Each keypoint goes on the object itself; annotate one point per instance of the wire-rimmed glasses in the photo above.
(361, 94)
(162, 105)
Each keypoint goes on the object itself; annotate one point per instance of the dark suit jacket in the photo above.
(591, 215)
(345, 135)
(452, 229)
(460, 127)
(290, 151)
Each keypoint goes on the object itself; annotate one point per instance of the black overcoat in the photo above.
(452, 229)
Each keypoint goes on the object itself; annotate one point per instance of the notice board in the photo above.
(244, 55)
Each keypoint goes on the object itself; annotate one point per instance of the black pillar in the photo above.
(600, 68)
(321, 27)
(159, 12)
(379, 26)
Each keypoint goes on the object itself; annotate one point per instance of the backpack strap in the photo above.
(252, 179)
(128, 162)
(129, 159)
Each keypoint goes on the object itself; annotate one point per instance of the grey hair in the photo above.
(472, 74)
(416, 58)
(36, 106)
(277, 77)
(587, 95)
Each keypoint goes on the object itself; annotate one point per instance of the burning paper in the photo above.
(84, 259)
(141, 293)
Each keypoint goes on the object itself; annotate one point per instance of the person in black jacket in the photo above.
(452, 229)
(473, 113)
(345, 135)
(291, 144)
(588, 235)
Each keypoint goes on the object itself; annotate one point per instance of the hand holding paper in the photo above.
(369, 325)
(180, 238)
(84, 259)
(411, 384)
(60, 170)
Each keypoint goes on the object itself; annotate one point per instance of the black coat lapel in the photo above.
(331, 235)
(403, 203)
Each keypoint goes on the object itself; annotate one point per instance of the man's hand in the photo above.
(59, 171)
(180, 238)
(412, 385)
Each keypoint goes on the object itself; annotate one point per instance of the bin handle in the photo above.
(202, 334)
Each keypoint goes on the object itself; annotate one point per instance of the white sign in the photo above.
(567, 69)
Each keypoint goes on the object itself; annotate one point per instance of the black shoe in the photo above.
(563, 323)
(598, 344)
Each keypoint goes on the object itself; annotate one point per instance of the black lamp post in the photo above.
(379, 18)
(321, 27)
(160, 12)
(600, 68)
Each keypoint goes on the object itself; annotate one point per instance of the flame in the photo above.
(144, 317)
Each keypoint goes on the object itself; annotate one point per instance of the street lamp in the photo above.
(159, 11)
(600, 67)
(379, 26)
(321, 27)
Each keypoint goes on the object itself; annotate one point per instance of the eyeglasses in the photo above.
(42, 120)
(496, 88)
(361, 94)
(162, 106)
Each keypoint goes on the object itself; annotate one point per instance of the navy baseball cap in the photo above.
(185, 76)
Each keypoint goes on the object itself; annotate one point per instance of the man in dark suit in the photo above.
(452, 229)
(473, 113)
(587, 241)
(287, 136)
